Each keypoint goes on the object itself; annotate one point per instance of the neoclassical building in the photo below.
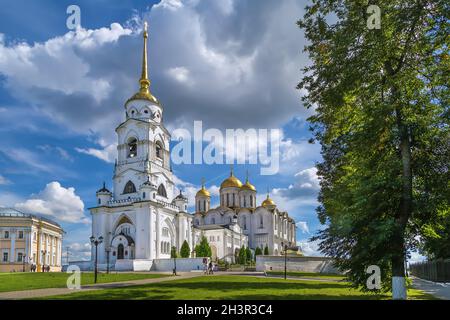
(27, 239)
(142, 218)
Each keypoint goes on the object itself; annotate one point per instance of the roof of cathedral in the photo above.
(248, 186)
(231, 181)
(144, 90)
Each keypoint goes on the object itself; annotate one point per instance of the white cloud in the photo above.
(180, 74)
(309, 248)
(107, 154)
(303, 226)
(78, 251)
(56, 202)
(4, 181)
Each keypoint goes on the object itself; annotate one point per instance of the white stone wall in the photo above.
(301, 264)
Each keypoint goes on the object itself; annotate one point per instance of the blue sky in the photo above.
(231, 64)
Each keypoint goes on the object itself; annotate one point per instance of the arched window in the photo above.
(251, 201)
(234, 203)
(213, 220)
(245, 223)
(159, 150)
(129, 188)
(204, 205)
(261, 222)
(132, 148)
(162, 191)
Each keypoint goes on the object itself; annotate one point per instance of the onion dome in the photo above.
(231, 181)
(144, 91)
(203, 192)
(103, 189)
(247, 185)
(268, 202)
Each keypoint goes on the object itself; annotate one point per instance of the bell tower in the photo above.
(143, 144)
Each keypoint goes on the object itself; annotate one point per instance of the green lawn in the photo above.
(234, 287)
(307, 275)
(40, 280)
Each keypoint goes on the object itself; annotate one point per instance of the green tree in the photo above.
(258, 252)
(203, 249)
(242, 256)
(248, 255)
(185, 250)
(173, 252)
(266, 250)
(380, 98)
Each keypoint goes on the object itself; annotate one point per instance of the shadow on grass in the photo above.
(237, 291)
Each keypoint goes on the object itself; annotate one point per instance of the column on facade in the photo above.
(158, 247)
(12, 236)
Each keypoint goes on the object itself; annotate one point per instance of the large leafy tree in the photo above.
(380, 98)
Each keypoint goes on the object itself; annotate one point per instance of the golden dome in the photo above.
(268, 202)
(248, 186)
(231, 181)
(203, 193)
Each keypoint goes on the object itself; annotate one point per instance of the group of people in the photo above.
(45, 268)
(209, 268)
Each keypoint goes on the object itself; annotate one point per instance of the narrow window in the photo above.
(162, 191)
(132, 148)
(129, 188)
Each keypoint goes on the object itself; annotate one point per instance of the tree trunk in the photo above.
(398, 260)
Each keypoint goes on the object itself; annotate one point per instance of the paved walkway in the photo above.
(439, 290)
(39, 293)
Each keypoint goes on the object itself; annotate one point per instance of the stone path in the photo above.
(48, 292)
(439, 290)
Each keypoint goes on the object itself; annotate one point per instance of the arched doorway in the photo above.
(120, 251)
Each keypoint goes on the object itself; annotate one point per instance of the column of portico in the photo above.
(12, 236)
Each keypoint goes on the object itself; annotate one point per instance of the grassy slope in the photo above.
(235, 287)
(40, 280)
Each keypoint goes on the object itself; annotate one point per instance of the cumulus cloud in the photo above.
(78, 251)
(228, 52)
(56, 202)
(309, 248)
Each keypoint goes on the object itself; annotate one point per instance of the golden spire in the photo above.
(203, 191)
(144, 83)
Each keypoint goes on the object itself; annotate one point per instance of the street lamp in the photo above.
(108, 250)
(285, 247)
(96, 241)
(23, 261)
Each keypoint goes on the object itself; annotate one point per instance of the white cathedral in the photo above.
(142, 218)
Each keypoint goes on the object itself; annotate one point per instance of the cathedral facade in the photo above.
(142, 218)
